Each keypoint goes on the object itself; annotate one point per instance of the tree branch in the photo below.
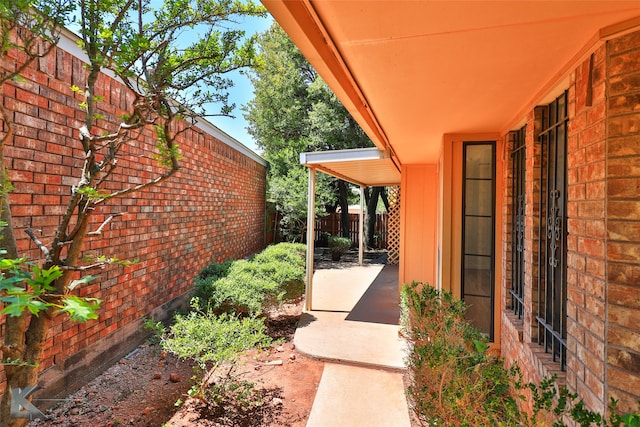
(37, 241)
(83, 267)
(139, 187)
(104, 224)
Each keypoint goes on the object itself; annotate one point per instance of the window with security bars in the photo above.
(518, 162)
(552, 287)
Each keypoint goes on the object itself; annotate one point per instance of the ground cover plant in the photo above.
(454, 381)
(228, 316)
(250, 287)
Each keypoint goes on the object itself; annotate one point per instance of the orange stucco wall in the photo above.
(418, 223)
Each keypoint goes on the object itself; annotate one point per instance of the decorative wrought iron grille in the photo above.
(518, 161)
(552, 289)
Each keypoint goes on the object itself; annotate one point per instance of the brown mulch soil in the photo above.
(142, 389)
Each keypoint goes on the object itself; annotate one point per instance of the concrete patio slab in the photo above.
(354, 328)
(340, 289)
(351, 396)
(328, 336)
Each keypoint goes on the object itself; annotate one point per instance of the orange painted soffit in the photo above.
(303, 13)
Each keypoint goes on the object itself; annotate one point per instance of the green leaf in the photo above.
(15, 305)
(10, 263)
(42, 278)
(631, 420)
(80, 309)
(92, 193)
(78, 282)
(7, 285)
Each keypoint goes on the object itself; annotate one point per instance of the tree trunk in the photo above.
(372, 203)
(7, 238)
(26, 335)
(32, 338)
(343, 201)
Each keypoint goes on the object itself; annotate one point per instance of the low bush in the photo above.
(215, 270)
(245, 290)
(215, 343)
(249, 287)
(455, 382)
(338, 246)
(284, 263)
(291, 253)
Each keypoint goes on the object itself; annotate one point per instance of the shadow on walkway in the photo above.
(381, 301)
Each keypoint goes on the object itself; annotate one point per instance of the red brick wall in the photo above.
(623, 221)
(213, 209)
(603, 245)
(586, 232)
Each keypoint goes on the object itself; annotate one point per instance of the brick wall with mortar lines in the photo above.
(603, 258)
(211, 210)
(586, 265)
(623, 220)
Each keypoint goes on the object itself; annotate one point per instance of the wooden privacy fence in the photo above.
(332, 224)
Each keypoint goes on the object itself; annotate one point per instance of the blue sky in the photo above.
(242, 92)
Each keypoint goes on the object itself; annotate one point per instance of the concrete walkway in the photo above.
(353, 327)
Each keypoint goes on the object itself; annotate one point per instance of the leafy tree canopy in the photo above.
(173, 55)
(294, 111)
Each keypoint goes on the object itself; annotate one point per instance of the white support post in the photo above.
(361, 228)
(311, 224)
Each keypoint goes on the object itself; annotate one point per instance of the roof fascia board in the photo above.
(357, 154)
(329, 171)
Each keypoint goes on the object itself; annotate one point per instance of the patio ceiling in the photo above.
(413, 71)
(367, 167)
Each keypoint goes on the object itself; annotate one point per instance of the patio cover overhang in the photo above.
(365, 167)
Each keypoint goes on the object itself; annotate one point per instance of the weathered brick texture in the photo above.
(623, 222)
(213, 209)
(603, 244)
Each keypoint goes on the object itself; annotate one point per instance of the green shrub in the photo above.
(207, 275)
(215, 270)
(215, 342)
(338, 246)
(244, 290)
(292, 253)
(454, 382)
(284, 263)
(274, 276)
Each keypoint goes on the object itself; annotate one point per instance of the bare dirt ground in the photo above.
(143, 388)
